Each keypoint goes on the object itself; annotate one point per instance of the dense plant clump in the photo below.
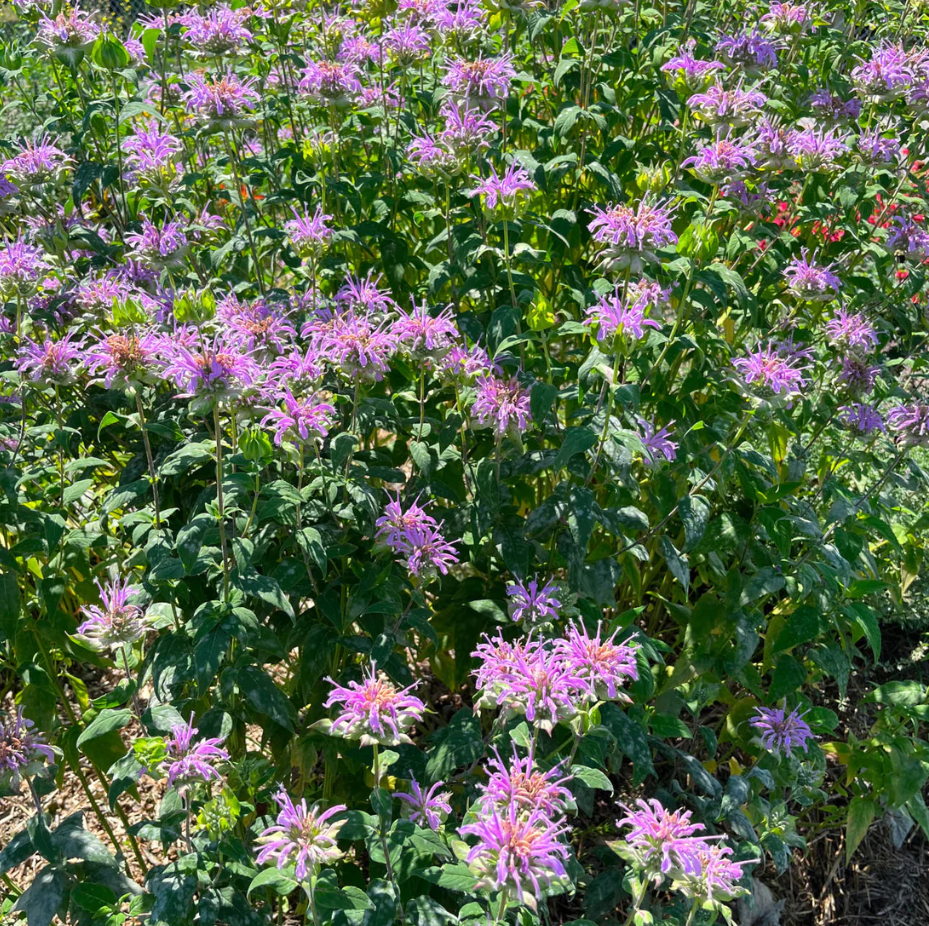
(446, 451)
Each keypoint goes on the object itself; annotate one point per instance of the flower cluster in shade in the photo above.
(23, 750)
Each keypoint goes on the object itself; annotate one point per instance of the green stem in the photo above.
(151, 459)
(220, 501)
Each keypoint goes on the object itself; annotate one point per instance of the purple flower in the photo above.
(788, 17)
(496, 658)
(782, 731)
(459, 23)
(51, 362)
(427, 807)
(23, 751)
(330, 83)
(886, 76)
(750, 51)
(356, 49)
(189, 762)
(659, 838)
(750, 202)
(118, 623)
(724, 160)
(690, 74)
(770, 144)
(300, 371)
(834, 108)
(523, 786)
(309, 233)
(357, 346)
(483, 83)
(257, 327)
(428, 155)
(467, 130)
(123, 358)
(71, 28)
(657, 444)
(150, 151)
(422, 334)
(465, 363)
(99, 295)
(616, 315)
(212, 368)
(364, 295)
(224, 101)
(427, 552)
(300, 420)
(395, 521)
(632, 235)
(717, 105)
(541, 686)
(505, 190)
(406, 43)
(861, 418)
(530, 604)
(772, 368)
(516, 854)
(603, 664)
(910, 423)
(908, 239)
(851, 330)
(374, 710)
(160, 247)
(858, 375)
(501, 403)
(708, 874)
(815, 148)
(217, 32)
(302, 834)
(810, 282)
(21, 265)
(876, 150)
(37, 162)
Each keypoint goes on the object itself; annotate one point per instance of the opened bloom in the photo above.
(189, 761)
(426, 808)
(117, 623)
(374, 710)
(302, 835)
(782, 730)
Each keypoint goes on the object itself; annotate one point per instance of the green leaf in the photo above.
(190, 540)
(264, 588)
(451, 877)
(860, 814)
(174, 894)
(592, 777)
(803, 625)
(73, 841)
(92, 897)
(187, 457)
(668, 727)
(282, 881)
(694, 512)
(677, 564)
(41, 900)
(263, 695)
(105, 722)
(631, 738)
(124, 496)
(866, 619)
(576, 440)
(902, 694)
(16, 851)
(424, 911)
